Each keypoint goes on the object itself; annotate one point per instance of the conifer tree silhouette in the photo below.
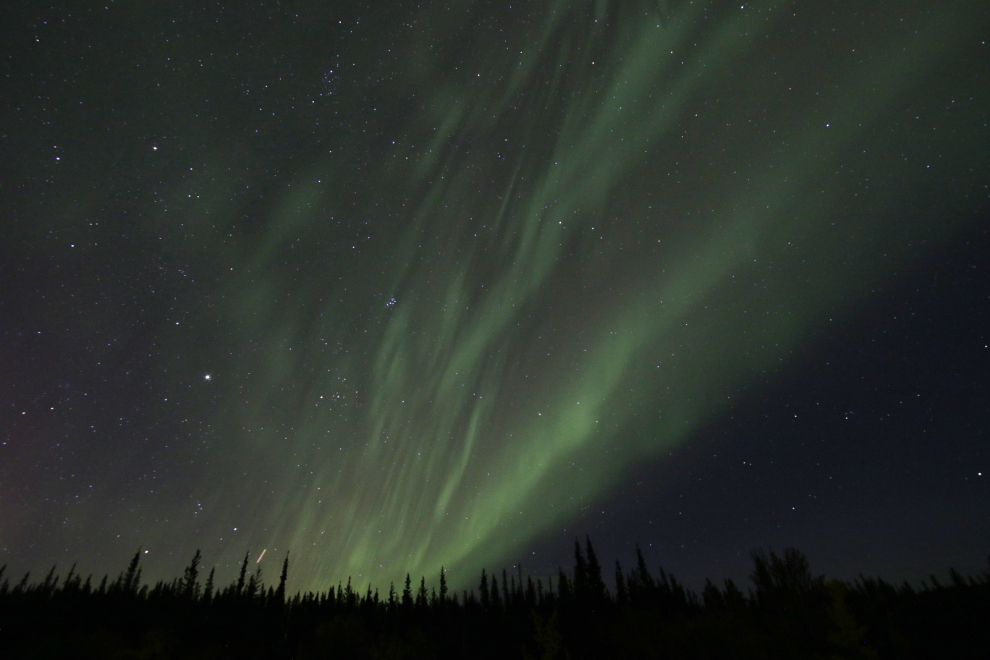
(280, 592)
(597, 593)
(254, 584)
(773, 574)
(133, 575)
(495, 598)
(620, 585)
(712, 597)
(640, 583)
(190, 583)
(50, 581)
(734, 598)
(407, 598)
(208, 591)
(350, 597)
(580, 574)
(24, 580)
(564, 592)
(240, 579)
(789, 613)
(483, 589)
(422, 597)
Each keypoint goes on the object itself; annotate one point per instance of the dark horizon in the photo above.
(787, 612)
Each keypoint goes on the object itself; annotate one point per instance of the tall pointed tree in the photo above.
(422, 597)
(443, 587)
(597, 592)
(563, 586)
(580, 574)
(208, 592)
(190, 580)
(280, 592)
(483, 589)
(496, 599)
(643, 578)
(240, 578)
(254, 584)
(407, 598)
(133, 575)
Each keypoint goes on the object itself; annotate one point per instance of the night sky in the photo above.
(394, 286)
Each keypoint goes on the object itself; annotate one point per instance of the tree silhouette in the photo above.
(133, 575)
(620, 585)
(580, 574)
(597, 593)
(190, 583)
(280, 592)
(788, 613)
(208, 591)
(407, 599)
(496, 599)
(563, 586)
(775, 575)
(483, 590)
(422, 598)
(240, 578)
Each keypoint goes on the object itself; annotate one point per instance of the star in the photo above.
(207, 377)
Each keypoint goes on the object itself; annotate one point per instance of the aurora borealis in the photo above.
(420, 285)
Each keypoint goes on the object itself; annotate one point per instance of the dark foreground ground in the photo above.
(786, 613)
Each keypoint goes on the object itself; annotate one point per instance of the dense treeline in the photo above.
(786, 613)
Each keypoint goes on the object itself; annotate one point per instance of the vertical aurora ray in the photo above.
(611, 223)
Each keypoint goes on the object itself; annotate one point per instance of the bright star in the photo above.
(207, 377)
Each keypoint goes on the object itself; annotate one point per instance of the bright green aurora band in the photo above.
(605, 222)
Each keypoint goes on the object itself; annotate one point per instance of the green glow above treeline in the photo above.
(590, 229)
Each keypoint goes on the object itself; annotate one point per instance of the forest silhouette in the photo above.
(787, 612)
